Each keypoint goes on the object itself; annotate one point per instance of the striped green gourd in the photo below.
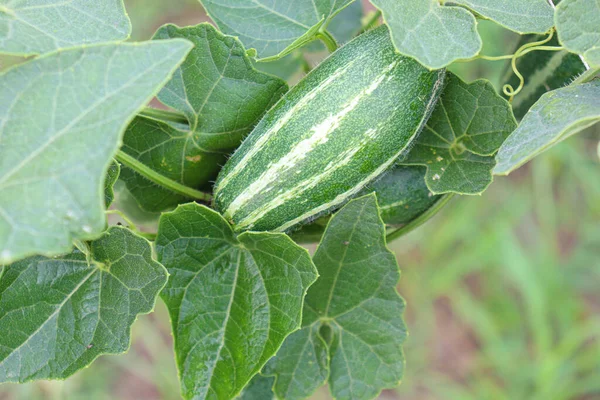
(336, 131)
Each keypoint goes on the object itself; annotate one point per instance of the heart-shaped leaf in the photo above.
(274, 29)
(221, 95)
(556, 116)
(352, 328)
(435, 35)
(52, 166)
(458, 144)
(34, 27)
(232, 300)
(57, 315)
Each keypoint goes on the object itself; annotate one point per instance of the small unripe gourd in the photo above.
(336, 131)
(402, 194)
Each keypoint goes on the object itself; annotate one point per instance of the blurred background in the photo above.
(503, 289)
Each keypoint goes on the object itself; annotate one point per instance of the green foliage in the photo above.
(250, 315)
(556, 116)
(458, 144)
(274, 29)
(434, 35)
(29, 27)
(352, 328)
(221, 95)
(521, 16)
(59, 314)
(57, 160)
(578, 28)
(232, 300)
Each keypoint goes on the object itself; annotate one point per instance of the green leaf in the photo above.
(592, 56)
(274, 29)
(222, 96)
(459, 141)
(434, 35)
(35, 27)
(352, 328)
(53, 164)
(578, 28)
(112, 174)
(232, 300)
(259, 388)
(173, 153)
(521, 16)
(556, 116)
(57, 315)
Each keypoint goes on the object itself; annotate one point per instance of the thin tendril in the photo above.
(527, 48)
(508, 89)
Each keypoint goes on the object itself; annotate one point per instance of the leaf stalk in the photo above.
(160, 179)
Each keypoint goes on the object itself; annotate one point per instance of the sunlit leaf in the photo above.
(273, 28)
(556, 116)
(352, 328)
(57, 315)
(232, 300)
(435, 35)
(458, 144)
(34, 27)
(63, 116)
(578, 28)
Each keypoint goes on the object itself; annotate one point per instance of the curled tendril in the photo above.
(508, 89)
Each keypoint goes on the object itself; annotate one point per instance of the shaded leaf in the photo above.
(273, 28)
(57, 315)
(578, 28)
(259, 388)
(222, 96)
(458, 144)
(52, 166)
(557, 115)
(232, 300)
(352, 328)
(112, 174)
(173, 153)
(34, 27)
(521, 16)
(434, 35)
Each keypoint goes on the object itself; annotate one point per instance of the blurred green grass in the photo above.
(503, 289)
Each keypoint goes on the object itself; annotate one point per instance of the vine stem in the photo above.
(420, 220)
(163, 115)
(160, 179)
(329, 40)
